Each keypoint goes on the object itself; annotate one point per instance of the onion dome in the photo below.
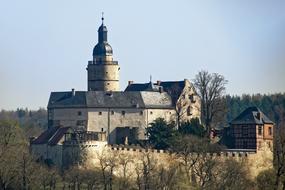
(102, 48)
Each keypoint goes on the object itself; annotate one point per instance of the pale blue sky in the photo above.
(45, 44)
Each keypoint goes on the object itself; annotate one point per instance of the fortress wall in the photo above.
(256, 161)
(95, 151)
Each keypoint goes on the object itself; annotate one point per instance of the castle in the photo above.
(103, 115)
(120, 114)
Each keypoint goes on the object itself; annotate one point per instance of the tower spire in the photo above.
(102, 18)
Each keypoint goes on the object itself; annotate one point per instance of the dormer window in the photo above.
(189, 111)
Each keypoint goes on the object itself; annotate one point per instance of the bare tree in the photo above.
(108, 161)
(102, 157)
(167, 177)
(211, 89)
(204, 170)
(91, 178)
(145, 169)
(11, 145)
(185, 151)
(279, 156)
(124, 163)
(48, 178)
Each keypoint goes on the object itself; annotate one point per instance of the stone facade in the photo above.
(103, 76)
(117, 111)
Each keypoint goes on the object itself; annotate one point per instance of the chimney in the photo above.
(158, 82)
(73, 92)
(130, 82)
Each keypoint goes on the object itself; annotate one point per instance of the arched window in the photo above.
(189, 111)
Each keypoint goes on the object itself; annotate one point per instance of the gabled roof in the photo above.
(173, 88)
(67, 98)
(142, 87)
(102, 99)
(45, 136)
(51, 136)
(251, 115)
(58, 135)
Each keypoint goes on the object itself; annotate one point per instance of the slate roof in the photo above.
(58, 135)
(173, 88)
(102, 99)
(51, 136)
(250, 116)
(45, 136)
(143, 87)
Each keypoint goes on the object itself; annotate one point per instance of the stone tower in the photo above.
(103, 72)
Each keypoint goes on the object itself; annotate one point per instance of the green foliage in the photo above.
(162, 134)
(266, 180)
(192, 127)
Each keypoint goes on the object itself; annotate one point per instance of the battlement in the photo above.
(224, 153)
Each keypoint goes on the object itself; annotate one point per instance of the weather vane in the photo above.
(102, 17)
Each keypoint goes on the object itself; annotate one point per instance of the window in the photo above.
(123, 113)
(141, 112)
(189, 111)
(170, 112)
(108, 83)
(191, 97)
(79, 113)
(259, 130)
(102, 129)
(100, 113)
(112, 112)
(150, 113)
(270, 131)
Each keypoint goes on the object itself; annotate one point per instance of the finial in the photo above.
(102, 18)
